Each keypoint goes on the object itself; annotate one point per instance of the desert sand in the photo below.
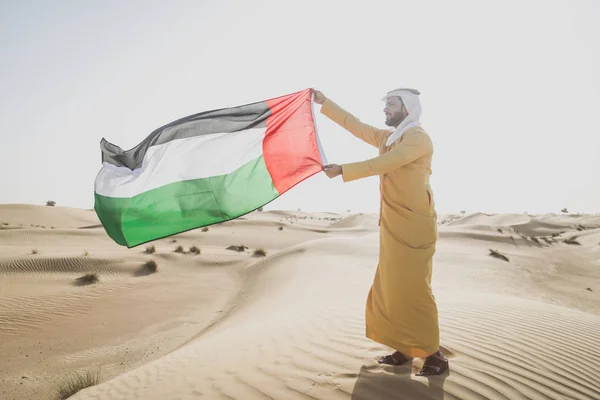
(522, 322)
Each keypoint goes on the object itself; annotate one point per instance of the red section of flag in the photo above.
(290, 147)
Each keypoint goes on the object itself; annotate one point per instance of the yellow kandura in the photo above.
(401, 311)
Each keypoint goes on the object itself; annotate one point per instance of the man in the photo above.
(401, 311)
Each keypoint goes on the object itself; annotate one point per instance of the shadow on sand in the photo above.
(374, 383)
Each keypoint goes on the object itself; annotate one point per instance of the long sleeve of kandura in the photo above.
(414, 146)
(343, 118)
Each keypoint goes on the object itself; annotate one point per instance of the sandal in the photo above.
(394, 359)
(433, 366)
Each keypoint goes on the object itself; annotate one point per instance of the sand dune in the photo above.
(588, 237)
(359, 221)
(31, 216)
(529, 225)
(226, 325)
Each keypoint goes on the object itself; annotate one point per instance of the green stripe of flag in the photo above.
(185, 205)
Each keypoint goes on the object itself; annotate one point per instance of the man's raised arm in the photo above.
(337, 114)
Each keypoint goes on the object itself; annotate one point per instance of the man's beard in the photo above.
(394, 120)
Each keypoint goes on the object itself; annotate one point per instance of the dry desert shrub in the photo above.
(179, 249)
(150, 250)
(496, 254)
(149, 267)
(194, 250)
(87, 279)
(76, 382)
(259, 253)
(234, 247)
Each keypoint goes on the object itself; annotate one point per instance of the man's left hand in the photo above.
(332, 170)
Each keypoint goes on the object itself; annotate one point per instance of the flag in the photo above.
(207, 168)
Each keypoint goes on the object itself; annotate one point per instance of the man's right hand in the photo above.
(319, 97)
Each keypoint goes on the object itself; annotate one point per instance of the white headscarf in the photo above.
(410, 98)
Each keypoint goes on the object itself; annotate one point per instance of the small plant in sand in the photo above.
(149, 267)
(50, 203)
(572, 241)
(194, 250)
(236, 248)
(76, 382)
(173, 240)
(498, 255)
(87, 279)
(259, 209)
(564, 211)
(259, 253)
(205, 229)
(179, 249)
(280, 228)
(85, 253)
(589, 289)
(150, 249)
(34, 251)
(5, 223)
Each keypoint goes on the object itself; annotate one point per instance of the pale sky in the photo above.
(510, 90)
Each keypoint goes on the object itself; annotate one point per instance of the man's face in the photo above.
(395, 112)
